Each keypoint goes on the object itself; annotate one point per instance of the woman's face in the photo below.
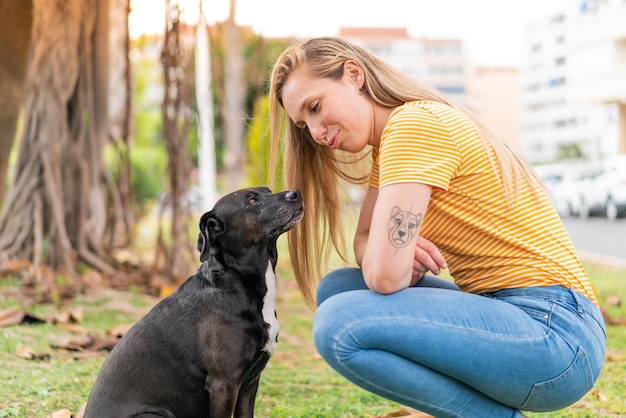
(333, 111)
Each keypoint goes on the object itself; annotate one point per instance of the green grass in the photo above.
(296, 382)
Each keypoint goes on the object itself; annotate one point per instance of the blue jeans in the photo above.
(455, 354)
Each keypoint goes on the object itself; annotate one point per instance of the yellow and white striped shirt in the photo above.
(488, 246)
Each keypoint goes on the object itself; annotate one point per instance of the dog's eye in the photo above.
(252, 201)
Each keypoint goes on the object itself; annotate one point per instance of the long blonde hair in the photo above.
(317, 171)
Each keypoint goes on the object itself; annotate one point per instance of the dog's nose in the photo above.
(293, 195)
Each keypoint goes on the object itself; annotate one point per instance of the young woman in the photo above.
(519, 330)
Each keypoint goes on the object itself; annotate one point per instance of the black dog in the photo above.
(200, 351)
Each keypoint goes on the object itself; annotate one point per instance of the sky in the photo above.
(492, 30)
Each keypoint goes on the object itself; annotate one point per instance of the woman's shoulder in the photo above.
(424, 107)
(424, 112)
(430, 105)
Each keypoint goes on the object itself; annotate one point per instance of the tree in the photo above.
(119, 111)
(15, 21)
(55, 209)
(234, 96)
(180, 251)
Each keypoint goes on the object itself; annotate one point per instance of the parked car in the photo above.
(603, 191)
(569, 192)
(553, 176)
(583, 188)
(563, 181)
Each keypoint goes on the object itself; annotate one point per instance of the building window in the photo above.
(533, 87)
(451, 89)
(555, 82)
(588, 6)
(560, 18)
(380, 50)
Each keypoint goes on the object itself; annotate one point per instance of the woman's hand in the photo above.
(427, 258)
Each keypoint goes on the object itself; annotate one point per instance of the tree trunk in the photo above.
(179, 251)
(204, 100)
(55, 210)
(234, 96)
(120, 96)
(15, 27)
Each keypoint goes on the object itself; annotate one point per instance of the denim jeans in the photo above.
(455, 354)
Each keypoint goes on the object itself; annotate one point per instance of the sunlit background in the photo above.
(491, 29)
(548, 76)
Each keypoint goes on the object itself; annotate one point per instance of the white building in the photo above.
(597, 70)
(440, 63)
(563, 112)
(491, 93)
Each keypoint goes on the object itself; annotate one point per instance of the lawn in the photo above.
(296, 382)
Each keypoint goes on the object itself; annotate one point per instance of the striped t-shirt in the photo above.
(488, 246)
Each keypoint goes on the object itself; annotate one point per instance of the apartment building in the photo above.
(571, 86)
(440, 63)
(490, 93)
(597, 74)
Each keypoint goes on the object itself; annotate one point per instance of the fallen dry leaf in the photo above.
(611, 321)
(69, 316)
(405, 412)
(62, 413)
(29, 354)
(92, 278)
(615, 357)
(613, 300)
(119, 331)
(599, 395)
(12, 266)
(77, 343)
(583, 404)
(81, 411)
(87, 342)
(18, 316)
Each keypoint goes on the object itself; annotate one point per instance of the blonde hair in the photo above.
(317, 171)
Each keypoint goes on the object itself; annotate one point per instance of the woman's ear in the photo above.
(354, 72)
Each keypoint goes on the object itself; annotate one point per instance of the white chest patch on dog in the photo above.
(269, 309)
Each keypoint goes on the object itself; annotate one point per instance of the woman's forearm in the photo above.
(360, 242)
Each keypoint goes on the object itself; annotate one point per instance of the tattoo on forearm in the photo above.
(402, 226)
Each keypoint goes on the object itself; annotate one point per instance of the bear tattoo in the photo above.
(402, 226)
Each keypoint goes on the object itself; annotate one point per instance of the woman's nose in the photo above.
(318, 133)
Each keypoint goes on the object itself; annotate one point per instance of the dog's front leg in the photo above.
(246, 399)
(222, 397)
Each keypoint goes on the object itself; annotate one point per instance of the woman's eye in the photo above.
(315, 107)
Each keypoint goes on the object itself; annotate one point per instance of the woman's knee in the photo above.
(339, 281)
(324, 330)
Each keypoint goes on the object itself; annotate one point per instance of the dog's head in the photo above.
(248, 218)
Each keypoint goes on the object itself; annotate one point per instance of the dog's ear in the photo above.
(210, 227)
(202, 237)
